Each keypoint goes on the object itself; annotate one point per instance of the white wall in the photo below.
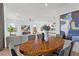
(68, 8)
(24, 22)
(11, 17)
(38, 24)
(38, 18)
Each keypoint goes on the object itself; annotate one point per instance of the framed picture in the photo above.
(53, 27)
(69, 24)
(12, 27)
(25, 28)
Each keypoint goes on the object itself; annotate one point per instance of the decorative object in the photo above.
(36, 39)
(25, 29)
(34, 29)
(11, 29)
(69, 23)
(53, 27)
(42, 37)
(46, 29)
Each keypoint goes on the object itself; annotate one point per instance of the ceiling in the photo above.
(31, 10)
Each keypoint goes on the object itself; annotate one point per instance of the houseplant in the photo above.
(46, 29)
(10, 29)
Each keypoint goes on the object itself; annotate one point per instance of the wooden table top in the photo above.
(39, 47)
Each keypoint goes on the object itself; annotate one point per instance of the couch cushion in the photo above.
(75, 38)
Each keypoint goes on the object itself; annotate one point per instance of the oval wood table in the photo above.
(39, 47)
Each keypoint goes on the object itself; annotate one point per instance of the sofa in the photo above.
(74, 35)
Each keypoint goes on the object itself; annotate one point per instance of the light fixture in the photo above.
(46, 4)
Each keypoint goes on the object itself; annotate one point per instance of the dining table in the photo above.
(38, 47)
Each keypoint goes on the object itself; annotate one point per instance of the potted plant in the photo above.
(10, 29)
(46, 29)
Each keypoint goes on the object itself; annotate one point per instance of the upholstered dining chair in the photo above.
(12, 48)
(63, 34)
(67, 51)
(31, 37)
(13, 52)
(72, 46)
(64, 52)
(57, 52)
(39, 36)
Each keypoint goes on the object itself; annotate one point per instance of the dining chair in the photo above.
(56, 52)
(12, 48)
(31, 37)
(39, 36)
(67, 51)
(59, 36)
(63, 34)
(64, 52)
(72, 45)
(13, 52)
(75, 49)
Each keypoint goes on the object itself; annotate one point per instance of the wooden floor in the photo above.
(74, 54)
(6, 52)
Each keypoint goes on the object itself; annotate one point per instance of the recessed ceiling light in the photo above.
(46, 4)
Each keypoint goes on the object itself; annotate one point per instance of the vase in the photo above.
(36, 38)
(46, 35)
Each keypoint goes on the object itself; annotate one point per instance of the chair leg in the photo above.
(72, 43)
(55, 53)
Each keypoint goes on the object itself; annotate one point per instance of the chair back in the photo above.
(72, 44)
(63, 34)
(13, 52)
(39, 36)
(31, 37)
(66, 51)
